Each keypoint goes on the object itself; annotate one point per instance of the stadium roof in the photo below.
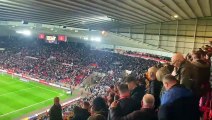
(102, 14)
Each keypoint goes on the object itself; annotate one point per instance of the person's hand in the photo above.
(114, 104)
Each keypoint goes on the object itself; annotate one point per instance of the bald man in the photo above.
(184, 71)
(155, 85)
(55, 113)
(147, 111)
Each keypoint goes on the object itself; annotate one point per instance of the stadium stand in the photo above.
(106, 59)
(70, 63)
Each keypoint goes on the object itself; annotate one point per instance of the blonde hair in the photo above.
(161, 73)
(152, 70)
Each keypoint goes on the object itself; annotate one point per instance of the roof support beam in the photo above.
(144, 9)
(181, 9)
(190, 8)
(99, 9)
(203, 14)
(210, 6)
(152, 5)
(171, 9)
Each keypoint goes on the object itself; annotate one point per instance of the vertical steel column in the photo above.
(130, 32)
(176, 34)
(144, 35)
(195, 32)
(205, 32)
(159, 35)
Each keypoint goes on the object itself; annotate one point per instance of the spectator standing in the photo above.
(81, 113)
(147, 111)
(126, 104)
(177, 103)
(184, 71)
(155, 86)
(55, 112)
(160, 74)
(136, 92)
(99, 109)
(202, 84)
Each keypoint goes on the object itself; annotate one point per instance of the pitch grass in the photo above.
(18, 98)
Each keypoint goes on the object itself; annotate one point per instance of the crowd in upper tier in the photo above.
(179, 90)
(64, 61)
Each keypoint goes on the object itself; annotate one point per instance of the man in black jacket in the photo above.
(136, 92)
(82, 113)
(55, 113)
(145, 113)
(202, 85)
(126, 104)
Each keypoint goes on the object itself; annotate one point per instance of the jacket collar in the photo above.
(126, 95)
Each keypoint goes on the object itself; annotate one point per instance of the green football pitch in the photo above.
(18, 98)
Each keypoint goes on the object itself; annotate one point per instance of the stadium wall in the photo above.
(125, 48)
(176, 36)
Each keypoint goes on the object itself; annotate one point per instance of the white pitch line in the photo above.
(16, 91)
(30, 88)
(26, 107)
(45, 88)
(32, 104)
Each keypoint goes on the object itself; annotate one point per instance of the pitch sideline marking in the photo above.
(17, 91)
(35, 86)
(26, 107)
(44, 88)
(32, 104)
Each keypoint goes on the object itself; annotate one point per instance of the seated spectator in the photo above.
(55, 112)
(137, 92)
(184, 71)
(145, 113)
(155, 86)
(99, 109)
(177, 103)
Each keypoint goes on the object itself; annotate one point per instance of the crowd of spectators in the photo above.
(152, 91)
(170, 92)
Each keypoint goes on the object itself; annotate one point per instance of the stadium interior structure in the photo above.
(143, 33)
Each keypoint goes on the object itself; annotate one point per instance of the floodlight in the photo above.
(24, 32)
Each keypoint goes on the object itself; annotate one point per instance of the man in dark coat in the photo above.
(202, 85)
(81, 113)
(55, 113)
(177, 103)
(184, 71)
(136, 92)
(126, 104)
(99, 109)
(147, 111)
